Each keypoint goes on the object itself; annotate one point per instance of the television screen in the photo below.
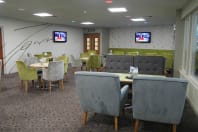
(60, 36)
(143, 37)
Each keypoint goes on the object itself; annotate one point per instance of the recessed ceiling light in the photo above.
(21, 9)
(138, 19)
(2, 1)
(121, 9)
(127, 16)
(87, 23)
(73, 21)
(43, 14)
(85, 12)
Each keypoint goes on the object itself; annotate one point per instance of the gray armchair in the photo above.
(54, 72)
(100, 92)
(158, 99)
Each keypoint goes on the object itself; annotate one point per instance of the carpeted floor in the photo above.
(40, 111)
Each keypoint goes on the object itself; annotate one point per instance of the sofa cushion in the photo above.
(118, 63)
(150, 64)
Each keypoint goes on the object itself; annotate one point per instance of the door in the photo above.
(1, 51)
(92, 42)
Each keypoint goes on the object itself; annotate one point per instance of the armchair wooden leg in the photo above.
(62, 85)
(135, 129)
(50, 86)
(26, 86)
(116, 123)
(174, 129)
(84, 118)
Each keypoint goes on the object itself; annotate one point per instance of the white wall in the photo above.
(162, 37)
(20, 37)
(105, 41)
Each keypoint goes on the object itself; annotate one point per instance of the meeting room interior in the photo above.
(99, 66)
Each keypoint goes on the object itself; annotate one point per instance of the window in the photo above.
(186, 49)
(195, 46)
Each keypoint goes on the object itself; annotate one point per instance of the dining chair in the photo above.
(75, 63)
(100, 92)
(158, 99)
(94, 62)
(26, 73)
(65, 59)
(54, 72)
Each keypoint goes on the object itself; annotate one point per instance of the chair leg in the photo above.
(50, 86)
(73, 70)
(22, 83)
(116, 123)
(65, 76)
(33, 84)
(135, 129)
(41, 83)
(84, 118)
(174, 129)
(26, 86)
(62, 85)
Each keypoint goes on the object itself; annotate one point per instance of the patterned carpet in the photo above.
(40, 111)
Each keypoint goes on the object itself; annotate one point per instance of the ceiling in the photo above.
(65, 11)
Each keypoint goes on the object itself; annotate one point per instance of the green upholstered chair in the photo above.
(26, 73)
(91, 52)
(39, 56)
(65, 59)
(85, 54)
(94, 62)
(47, 54)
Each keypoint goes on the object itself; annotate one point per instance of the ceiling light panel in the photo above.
(138, 19)
(2, 1)
(116, 10)
(87, 23)
(43, 14)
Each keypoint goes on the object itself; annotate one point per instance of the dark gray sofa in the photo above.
(154, 65)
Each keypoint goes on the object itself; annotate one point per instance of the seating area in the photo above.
(154, 65)
(112, 89)
(99, 66)
(167, 54)
(44, 69)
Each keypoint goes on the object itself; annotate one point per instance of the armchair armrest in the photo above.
(124, 95)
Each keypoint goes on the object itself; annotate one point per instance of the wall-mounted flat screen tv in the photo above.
(143, 37)
(60, 36)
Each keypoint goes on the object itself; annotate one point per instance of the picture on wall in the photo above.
(143, 37)
(60, 36)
